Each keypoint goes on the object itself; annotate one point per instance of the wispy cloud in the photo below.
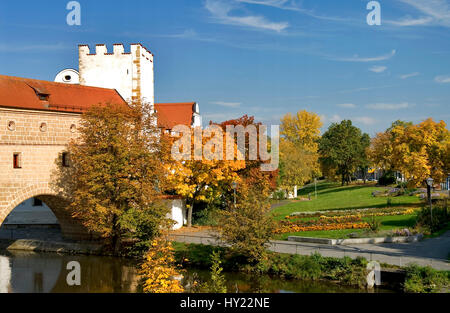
(434, 12)
(366, 120)
(442, 79)
(293, 6)
(227, 104)
(335, 119)
(389, 106)
(409, 21)
(406, 76)
(33, 47)
(347, 105)
(357, 58)
(221, 12)
(378, 69)
(363, 89)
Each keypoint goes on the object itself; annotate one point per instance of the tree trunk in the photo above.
(189, 217)
(115, 236)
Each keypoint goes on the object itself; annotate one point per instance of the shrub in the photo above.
(206, 216)
(374, 223)
(247, 227)
(158, 271)
(279, 195)
(217, 283)
(389, 202)
(440, 218)
(388, 178)
(425, 280)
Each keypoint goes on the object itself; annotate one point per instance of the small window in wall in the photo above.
(37, 202)
(65, 159)
(17, 160)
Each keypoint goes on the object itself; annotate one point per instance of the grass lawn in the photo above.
(332, 196)
(387, 223)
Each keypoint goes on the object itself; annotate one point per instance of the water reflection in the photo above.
(46, 273)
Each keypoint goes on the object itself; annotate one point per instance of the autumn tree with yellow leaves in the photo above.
(299, 148)
(158, 271)
(116, 175)
(417, 151)
(204, 174)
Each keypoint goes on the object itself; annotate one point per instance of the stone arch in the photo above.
(70, 227)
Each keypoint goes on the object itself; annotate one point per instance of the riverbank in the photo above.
(341, 271)
(431, 252)
(313, 269)
(34, 245)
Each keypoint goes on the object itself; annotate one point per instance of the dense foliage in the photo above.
(115, 175)
(343, 149)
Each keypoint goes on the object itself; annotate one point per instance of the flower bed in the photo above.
(334, 220)
(358, 212)
(336, 226)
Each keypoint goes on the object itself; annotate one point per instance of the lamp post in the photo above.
(429, 186)
(234, 185)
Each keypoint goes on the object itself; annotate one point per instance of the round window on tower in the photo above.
(12, 125)
(67, 78)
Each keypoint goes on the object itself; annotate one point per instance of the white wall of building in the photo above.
(68, 76)
(178, 213)
(131, 74)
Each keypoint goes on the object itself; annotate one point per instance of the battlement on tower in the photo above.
(130, 72)
(118, 49)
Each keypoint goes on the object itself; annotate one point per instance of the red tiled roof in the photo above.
(16, 92)
(172, 114)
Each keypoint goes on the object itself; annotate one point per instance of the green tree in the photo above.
(247, 227)
(343, 147)
(116, 175)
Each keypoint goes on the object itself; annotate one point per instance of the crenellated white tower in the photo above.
(130, 73)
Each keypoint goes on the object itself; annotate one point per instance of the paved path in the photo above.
(432, 252)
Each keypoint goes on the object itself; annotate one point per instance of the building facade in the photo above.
(38, 119)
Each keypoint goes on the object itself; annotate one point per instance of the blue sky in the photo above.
(260, 57)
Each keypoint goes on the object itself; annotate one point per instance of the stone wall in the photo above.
(39, 137)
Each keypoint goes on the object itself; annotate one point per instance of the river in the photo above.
(25, 272)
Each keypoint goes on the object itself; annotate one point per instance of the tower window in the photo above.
(65, 159)
(17, 160)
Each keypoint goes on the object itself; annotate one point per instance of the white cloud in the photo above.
(435, 12)
(389, 106)
(405, 76)
(347, 105)
(33, 47)
(357, 58)
(221, 9)
(227, 104)
(292, 5)
(442, 79)
(378, 69)
(408, 21)
(365, 120)
(335, 119)
(363, 89)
